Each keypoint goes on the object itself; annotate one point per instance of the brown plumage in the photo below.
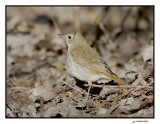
(84, 63)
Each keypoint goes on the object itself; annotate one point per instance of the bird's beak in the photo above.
(62, 35)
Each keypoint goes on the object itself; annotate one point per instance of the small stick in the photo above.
(121, 86)
(103, 95)
(101, 26)
(120, 97)
(71, 86)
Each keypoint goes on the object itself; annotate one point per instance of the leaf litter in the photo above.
(38, 83)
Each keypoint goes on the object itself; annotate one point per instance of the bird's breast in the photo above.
(82, 72)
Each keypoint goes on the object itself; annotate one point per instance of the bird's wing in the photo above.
(107, 68)
(87, 57)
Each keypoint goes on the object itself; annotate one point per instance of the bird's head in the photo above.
(72, 38)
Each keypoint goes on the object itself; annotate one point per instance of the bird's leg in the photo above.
(90, 85)
(87, 99)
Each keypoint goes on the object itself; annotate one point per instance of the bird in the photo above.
(84, 62)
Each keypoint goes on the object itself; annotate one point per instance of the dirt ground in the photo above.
(37, 80)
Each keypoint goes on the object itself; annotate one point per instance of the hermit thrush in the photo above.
(84, 63)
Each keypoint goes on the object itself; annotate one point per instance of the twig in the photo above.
(125, 17)
(71, 86)
(103, 95)
(19, 88)
(83, 92)
(120, 86)
(120, 97)
(62, 77)
(101, 26)
(55, 22)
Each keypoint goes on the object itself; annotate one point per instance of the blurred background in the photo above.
(36, 56)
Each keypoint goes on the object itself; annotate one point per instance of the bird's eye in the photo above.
(69, 37)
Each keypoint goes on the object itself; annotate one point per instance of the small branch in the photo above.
(101, 26)
(124, 94)
(125, 17)
(103, 95)
(71, 86)
(121, 86)
(55, 22)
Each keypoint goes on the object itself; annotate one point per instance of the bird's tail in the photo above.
(115, 78)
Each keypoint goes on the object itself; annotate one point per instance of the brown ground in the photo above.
(38, 84)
